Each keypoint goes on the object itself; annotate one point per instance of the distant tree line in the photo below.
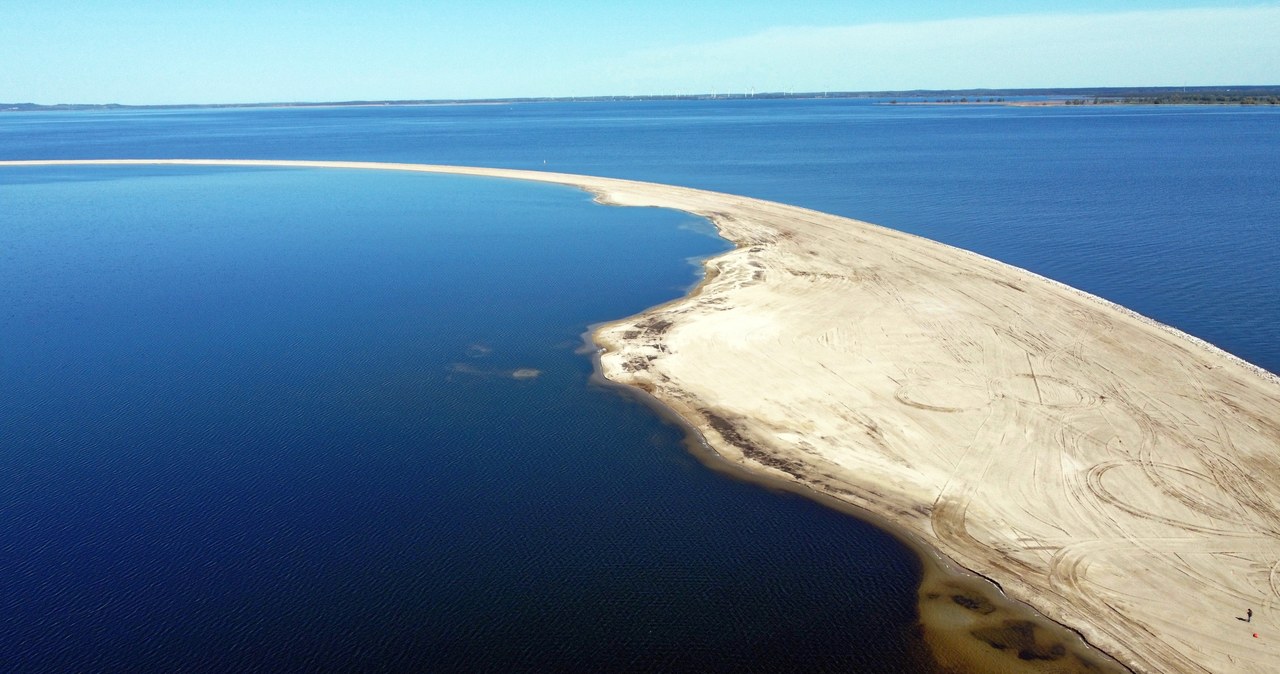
(1183, 98)
(1207, 98)
(1214, 95)
(962, 99)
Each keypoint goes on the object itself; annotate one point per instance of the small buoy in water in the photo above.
(1255, 635)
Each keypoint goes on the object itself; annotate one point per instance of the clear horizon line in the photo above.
(869, 93)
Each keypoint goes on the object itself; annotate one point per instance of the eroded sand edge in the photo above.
(1117, 475)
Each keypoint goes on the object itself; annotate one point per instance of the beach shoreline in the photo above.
(1111, 472)
(952, 601)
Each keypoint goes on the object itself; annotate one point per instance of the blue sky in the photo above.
(150, 51)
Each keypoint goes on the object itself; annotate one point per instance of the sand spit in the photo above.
(1117, 475)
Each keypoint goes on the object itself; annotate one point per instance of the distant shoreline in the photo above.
(1112, 472)
(1065, 94)
(1264, 100)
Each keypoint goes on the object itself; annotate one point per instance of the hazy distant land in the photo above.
(1203, 95)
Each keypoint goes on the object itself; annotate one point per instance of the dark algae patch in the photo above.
(971, 628)
(1019, 636)
(978, 604)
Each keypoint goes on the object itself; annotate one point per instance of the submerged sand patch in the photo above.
(1117, 475)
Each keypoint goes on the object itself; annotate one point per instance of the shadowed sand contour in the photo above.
(1119, 476)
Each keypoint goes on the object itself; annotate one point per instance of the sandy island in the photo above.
(1117, 475)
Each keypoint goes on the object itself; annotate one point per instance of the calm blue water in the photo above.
(265, 418)
(1169, 210)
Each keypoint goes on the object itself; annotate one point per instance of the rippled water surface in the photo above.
(1169, 210)
(268, 418)
(284, 419)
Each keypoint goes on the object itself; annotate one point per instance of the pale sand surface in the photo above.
(1119, 476)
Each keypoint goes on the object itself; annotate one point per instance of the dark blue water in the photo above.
(1169, 210)
(266, 419)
